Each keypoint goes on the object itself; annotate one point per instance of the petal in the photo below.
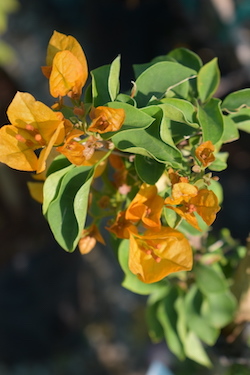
(175, 256)
(181, 191)
(15, 154)
(204, 153)
(61, 42)
(86, 244)
(67, 75)
(106, 119)
(206, 203)
(44, 154)
(24, 109)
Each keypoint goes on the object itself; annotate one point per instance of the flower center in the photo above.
(33, 132)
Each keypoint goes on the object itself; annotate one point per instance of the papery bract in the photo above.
(66, 68)
(122, 227)
(33, 126)
(204, 153)
(146, 206)
(89, 238)
(187, 199)
(154, 255)
(73, 149)
(105, 119)
(175, 177)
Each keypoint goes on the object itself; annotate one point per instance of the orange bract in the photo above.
(89, 238)
(122, 227)
(186, 199)
(204, 153)
(33, 126)
(105, 119)
(66, 68)
(175, 177)
(72, 149)
(146, 206)
(155, 255)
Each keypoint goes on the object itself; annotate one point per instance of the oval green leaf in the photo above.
(211, 121)
(208, 80)
(148, 169)
(158, 78)
(66, 214)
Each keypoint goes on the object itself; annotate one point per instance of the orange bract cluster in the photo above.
(34, 126)
(67, 68)
(186, 199)
(160, 250)
(204, 153)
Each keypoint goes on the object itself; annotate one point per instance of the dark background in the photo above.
(61, 313)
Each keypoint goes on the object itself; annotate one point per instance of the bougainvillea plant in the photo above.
(138, 168)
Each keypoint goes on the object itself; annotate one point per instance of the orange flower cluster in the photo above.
(186, 199)
(160, 250)
(34, 126)
(204, 153)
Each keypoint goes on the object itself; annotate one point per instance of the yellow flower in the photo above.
(33, 126)
(105, 119)
(66, 68)
(204, 153)
(154, 255)
(146, 206)
(187, 199)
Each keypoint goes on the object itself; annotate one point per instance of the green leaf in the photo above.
(195, 321)
(131, 281)
(52, 185)
(147, 142)
(230, 132)
(187, 58)
(161, 123)
(140, 68)
(170, 216)
(179, 110)
(58, 163)
(219, 308)
(211, 120)
(167, 316)
(216, 187)
(123, 98)
(241, 119)
(236, 100)
(67, 212)
(105, 83)
(209, 280)
(158, 78)
(155, 329)
(208, 80)
(148, 169)
(179, 131)
(181, 324)
(113, 80)
(195, 350)
(135, 118)
(220, 164)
